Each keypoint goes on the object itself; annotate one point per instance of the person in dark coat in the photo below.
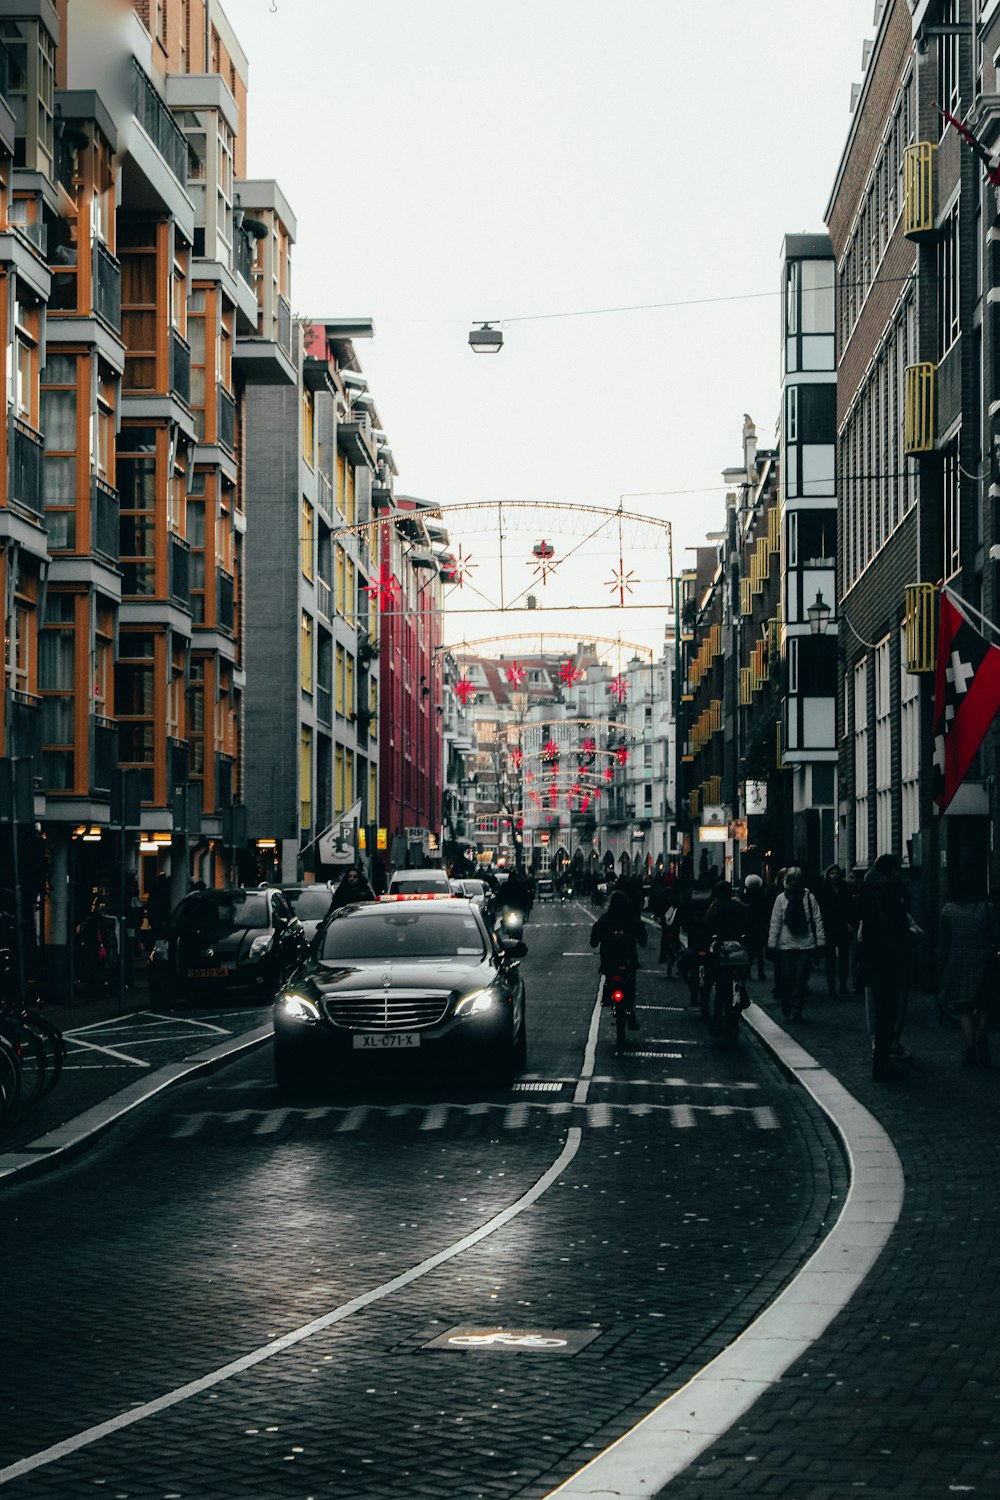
(885, 949)
(758, 907)
(353, 887)
(968, 943)
(619, 933)
(158, 907)
(835, 903)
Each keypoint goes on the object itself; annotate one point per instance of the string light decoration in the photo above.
(618, 688)
(621, 582)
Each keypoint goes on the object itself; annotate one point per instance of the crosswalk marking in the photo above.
(519, 1116)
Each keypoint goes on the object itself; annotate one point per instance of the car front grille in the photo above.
(396, 1011)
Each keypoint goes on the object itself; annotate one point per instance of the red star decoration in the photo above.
(550, 750)
(597, 792)
(515, 674)
(516, 757)
(575, 789)
(609, 772)
(585, 801)
(588, 747)
(383, 588)
(463, 566)
(544, 560)
(621, 755)
(465, 690)
(529, 775)
(621, 583)
(569, 674)
(619, 688)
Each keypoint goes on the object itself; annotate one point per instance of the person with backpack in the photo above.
(619, 933)
(795, 937)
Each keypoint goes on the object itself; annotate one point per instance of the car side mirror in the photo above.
(515, 950)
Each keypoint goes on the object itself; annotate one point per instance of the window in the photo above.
(883, 749)
(952, 519)
(338, 680)
(201, 376)
(308, 414)
(861, 763)
(305, 779)
(56, 680)
(58, 408)
(792, 298)
(307, 652)
(308, 540)
(135, 702)
(947, 283)
(947, 61)
(909, 748)
(792, 426)
(137, 514)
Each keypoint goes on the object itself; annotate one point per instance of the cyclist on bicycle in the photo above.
(619, 933)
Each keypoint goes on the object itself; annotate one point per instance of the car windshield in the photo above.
(426, 885)
(223, 909)
(473, 887)
(310, 904)
(403, 932)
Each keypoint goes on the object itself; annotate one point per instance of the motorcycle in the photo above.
(600, 893)
(511, 923)
(566, 894)
(732, 964)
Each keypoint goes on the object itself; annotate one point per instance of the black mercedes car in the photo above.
(227, 945)
(402, 977)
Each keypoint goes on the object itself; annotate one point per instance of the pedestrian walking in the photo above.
(968, 947)
(352, 887)
(758, 905)
(795, 937)
(835, 904)
(885, 947)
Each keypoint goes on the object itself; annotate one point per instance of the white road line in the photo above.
(516, 1117)
(765, 1118)
(190, 1125)
(187, 1021)
(599, 1115)
(277, 1346)
(272, 1122)
(590, 1053)
(681, 1115)
(435, 1117)
(354, 1118)
(136, 1062)
(674, 1434)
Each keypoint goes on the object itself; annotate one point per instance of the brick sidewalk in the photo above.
(899, 1397)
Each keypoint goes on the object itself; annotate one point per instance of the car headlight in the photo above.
(299, 1008)
(477, 1002)
(261, 945)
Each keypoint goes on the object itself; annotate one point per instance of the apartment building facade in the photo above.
(913, 222)
(141, 299)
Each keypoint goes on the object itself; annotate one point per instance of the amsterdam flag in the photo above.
(966, 697)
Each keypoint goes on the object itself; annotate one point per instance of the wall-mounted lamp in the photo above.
(819, 615)
(485, 339)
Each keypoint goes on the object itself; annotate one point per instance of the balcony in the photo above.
(178, 571)
(226, 420)
(355, 439)
(158, 123)
(180, 367)
(104, 755)
(24, 726)
(918, 189)
(107, 287)
(104, 520)
(918, 408)
(26, 449)
(225, 601)
(920, 626)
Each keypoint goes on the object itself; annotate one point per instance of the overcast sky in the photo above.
(456, 160)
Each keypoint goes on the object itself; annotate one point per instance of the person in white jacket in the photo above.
(795, 937)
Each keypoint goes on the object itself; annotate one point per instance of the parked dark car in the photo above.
(310, 903)
(227, 945)
(424, 978)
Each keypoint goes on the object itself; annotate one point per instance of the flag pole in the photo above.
(963, 604)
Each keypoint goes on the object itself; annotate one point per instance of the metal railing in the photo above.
(226, 420)
(104, 753)
(243, 255)
(180, 367)
(225, 601)
(103, 519)
(27, 453)
(324, 597)
(24, 724)
(158, 123)
(285, 325)
(179, 570)
(107, 287)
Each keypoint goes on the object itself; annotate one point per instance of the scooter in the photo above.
(511, 922)
(731, 999)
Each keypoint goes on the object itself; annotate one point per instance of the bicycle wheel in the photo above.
(31, 1054)
(55, 1049)
(621, 1017)
(10, 1080)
